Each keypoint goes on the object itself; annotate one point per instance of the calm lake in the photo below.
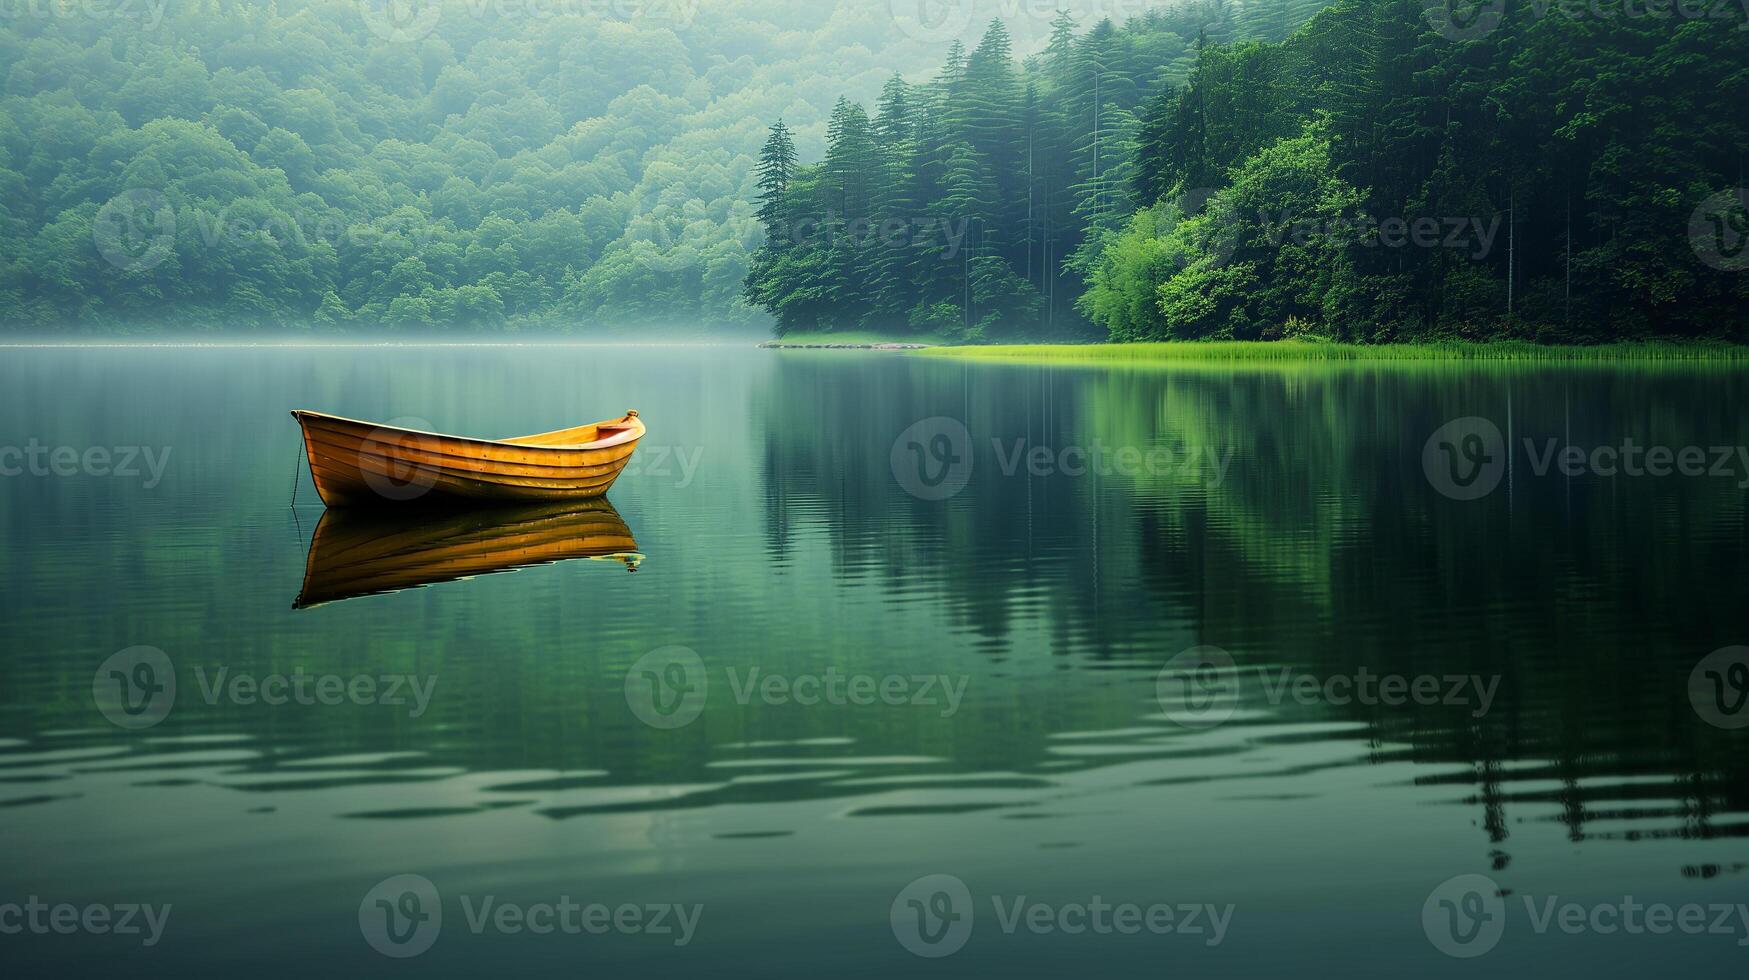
(1071, 645)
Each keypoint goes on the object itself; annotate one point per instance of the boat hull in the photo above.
(362, 464)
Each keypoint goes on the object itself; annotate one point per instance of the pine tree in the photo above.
(777, 167)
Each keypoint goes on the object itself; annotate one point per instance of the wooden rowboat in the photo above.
(358, 552)
(360, 463)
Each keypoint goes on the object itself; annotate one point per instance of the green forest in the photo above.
(1203, 169)
(237, 165)
(1386, 173)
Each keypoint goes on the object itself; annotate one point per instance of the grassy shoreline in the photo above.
(1300, 351)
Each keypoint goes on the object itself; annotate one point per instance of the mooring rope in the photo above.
(297, 463)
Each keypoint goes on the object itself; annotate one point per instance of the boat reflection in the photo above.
(359, 553)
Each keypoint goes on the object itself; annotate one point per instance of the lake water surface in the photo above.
(896, 617)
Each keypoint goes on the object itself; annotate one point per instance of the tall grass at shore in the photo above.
(1291, 350)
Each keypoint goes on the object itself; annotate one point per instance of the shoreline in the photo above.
(1299, 352)
(780, 345)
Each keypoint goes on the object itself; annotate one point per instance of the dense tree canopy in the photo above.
(1374, 178)
(962, 207)
(1551, 172)
(1211, 168)
(220, 164)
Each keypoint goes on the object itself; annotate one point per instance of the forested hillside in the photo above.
(1386, 173)
(239, 164)
(1559, 174)
(962, 204)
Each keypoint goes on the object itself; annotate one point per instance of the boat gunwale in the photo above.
(632, 434)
